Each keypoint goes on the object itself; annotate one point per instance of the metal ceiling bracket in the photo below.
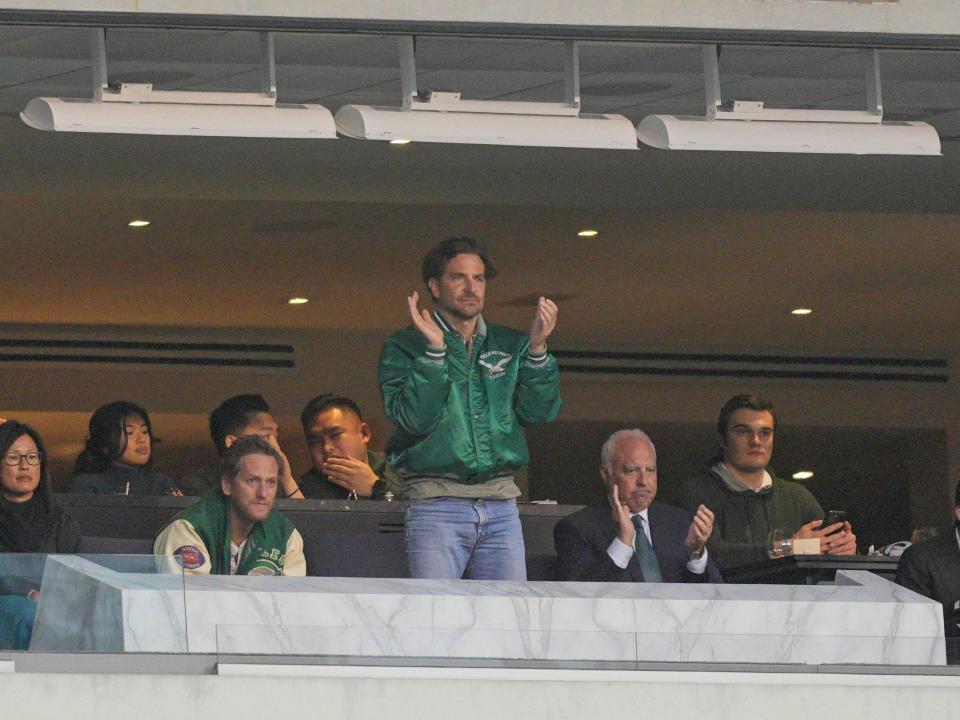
(450, 101)
(753, 110)
(711, 79)
(144, 92)
(98, 61)
(571, 66)
(874, 94)
(408, 70)
(268, 65)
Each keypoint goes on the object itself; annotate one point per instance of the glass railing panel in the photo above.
(93, 603)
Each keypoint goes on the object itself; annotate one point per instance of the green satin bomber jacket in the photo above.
(461, 418)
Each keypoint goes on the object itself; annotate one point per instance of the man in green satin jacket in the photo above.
(460, 391)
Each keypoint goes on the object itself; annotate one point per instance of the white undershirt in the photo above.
(236, 551)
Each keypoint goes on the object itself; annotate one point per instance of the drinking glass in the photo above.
(779, 543)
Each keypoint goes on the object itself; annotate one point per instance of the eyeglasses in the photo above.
(743, 431)
(14, 458)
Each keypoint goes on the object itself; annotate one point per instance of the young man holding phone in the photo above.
(748, 501)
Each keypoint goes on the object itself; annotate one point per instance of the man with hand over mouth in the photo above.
(343, 466)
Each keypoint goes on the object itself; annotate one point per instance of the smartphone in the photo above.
(833, 517)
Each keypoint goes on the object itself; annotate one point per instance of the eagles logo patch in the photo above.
(495, 361)
(190, 556)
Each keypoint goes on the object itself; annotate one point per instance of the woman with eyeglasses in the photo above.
(119, 457)
(30, 522)
(29, 519)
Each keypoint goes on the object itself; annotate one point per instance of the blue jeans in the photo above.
(452, 538)
(16, 621)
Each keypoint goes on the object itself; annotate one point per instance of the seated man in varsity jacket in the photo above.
(233, 529)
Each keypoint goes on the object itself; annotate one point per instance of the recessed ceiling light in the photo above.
(399, 141)
(298, 301)
(138, 223)
(588, 233)
(801, 311)
(803, 475)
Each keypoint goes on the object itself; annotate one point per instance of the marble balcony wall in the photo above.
(863, 619)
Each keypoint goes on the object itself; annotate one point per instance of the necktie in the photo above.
(645, 555)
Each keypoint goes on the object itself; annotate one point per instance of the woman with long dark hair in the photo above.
(30, 522)
(119, 457)
(29, 519)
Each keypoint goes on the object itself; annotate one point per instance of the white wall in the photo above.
(479, 694)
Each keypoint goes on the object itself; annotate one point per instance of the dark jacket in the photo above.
(582, 540)
(34, 526)
(743, 519)
(200, 480)
(52, 532)
(932, 568)
(122, 480)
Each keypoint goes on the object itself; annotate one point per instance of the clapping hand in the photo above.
(425, 323)
(626, 532)
(700, 529)
(544, 321)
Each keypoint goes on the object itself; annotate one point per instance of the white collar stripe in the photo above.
(441, 322)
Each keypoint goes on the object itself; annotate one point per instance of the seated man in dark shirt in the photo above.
(343, 467)
(932, 568)
(234, 418)
(748, 500)
(634, 537)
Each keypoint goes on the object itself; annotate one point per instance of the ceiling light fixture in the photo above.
(138, 223)
(747, 126)
(427, 116)
(801, 311)
(399, 141)
(802, 475)
(298, 301)
(136, 108)
(588, 233)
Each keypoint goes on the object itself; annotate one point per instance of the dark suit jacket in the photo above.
(932, 568)
(582, 540)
